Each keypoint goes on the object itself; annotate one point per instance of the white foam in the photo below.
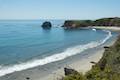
(94, 29)
(107, 37)
(56, 57)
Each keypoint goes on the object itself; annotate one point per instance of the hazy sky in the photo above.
(59, 9)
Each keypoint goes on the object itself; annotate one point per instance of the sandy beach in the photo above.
(54, 73)
(81, 66)
(107, 28)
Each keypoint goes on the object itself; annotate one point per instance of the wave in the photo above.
(56, 57)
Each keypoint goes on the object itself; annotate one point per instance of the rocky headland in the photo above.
(70, 24)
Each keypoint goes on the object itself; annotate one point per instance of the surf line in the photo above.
(56, 57)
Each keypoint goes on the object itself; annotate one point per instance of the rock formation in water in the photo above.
(46, 25)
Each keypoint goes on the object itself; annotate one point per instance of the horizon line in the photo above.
(61, 18)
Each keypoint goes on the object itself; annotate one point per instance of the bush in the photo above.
(75, 77)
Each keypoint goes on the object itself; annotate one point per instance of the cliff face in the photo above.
(85, 23)
(108, 68)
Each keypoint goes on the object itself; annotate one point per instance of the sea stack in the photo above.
(46, 25)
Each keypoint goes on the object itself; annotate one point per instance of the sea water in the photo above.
(24, 44)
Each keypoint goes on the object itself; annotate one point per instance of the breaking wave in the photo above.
(56, 57)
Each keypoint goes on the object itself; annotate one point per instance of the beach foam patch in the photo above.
(94, 29)
(56, 57)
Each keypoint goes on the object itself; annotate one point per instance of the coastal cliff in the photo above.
(108, 68)
(115, 21)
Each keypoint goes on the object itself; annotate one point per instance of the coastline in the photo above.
(107, 28)
(85, 62)
(55, 70)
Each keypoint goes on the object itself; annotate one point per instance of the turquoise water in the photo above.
(24, 44)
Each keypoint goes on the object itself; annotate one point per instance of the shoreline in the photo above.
(113, 28)
(86, 65)
(55, 70)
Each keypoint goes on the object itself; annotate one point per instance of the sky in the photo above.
(59, 9)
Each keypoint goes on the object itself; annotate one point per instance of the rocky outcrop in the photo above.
(46, 25)
(69, 71)
(93, 62)
(71, 24)
(106, 47)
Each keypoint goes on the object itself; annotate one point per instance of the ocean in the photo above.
(24, 44)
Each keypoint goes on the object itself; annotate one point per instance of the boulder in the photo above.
(93, 62)
(106, 47)
(69, 71)
(46, 25)
(27, 78)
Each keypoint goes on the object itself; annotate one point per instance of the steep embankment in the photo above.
(108, 68)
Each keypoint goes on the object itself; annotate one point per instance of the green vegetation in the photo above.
(75, 77)
(108, 68)
(99, 22)
(107, 22)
